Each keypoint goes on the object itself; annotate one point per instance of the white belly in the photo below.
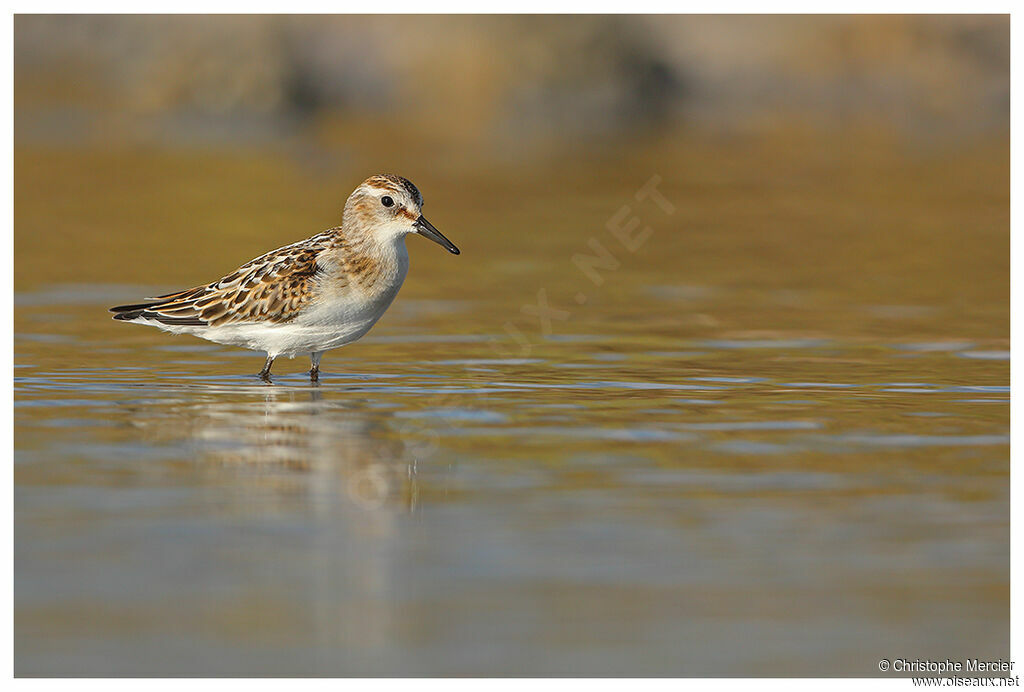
(321, 327)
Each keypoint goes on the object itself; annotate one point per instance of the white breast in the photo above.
(342, 317)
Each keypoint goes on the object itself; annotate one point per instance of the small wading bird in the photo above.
(311, 296)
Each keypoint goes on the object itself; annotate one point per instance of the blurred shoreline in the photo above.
(504, 84)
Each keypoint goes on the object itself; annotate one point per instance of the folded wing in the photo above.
(270, 288)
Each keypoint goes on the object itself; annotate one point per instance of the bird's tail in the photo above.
(166, 310)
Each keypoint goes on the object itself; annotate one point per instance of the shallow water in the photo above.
(773, 440)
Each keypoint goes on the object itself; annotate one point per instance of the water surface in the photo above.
(774, 439)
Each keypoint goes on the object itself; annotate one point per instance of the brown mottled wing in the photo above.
(271, 288)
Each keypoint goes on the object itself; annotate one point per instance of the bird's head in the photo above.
(390, 207)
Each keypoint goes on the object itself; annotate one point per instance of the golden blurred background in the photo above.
(494, 85)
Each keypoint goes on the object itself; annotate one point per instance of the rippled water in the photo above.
(726, 460)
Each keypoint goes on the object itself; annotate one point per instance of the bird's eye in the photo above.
(387, 201)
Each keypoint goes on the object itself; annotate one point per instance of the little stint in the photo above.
(310, 296)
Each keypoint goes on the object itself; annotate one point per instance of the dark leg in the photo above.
(265, 372)
(314, 372)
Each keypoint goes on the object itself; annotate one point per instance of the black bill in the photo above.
(425, 228)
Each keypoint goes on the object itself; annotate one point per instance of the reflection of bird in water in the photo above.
(305, 494)
(336, 449)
